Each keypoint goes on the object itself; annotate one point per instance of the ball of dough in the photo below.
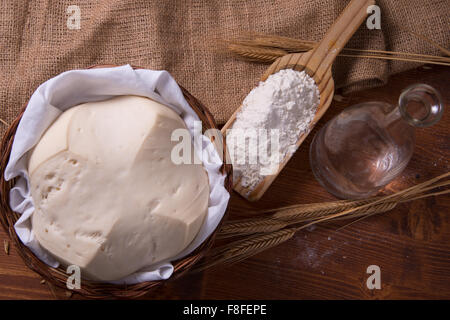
(107, 195)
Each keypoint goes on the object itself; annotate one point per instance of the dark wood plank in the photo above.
(411, 243)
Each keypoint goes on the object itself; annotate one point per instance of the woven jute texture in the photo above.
(182, 37)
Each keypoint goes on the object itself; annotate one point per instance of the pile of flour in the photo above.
(286, 101)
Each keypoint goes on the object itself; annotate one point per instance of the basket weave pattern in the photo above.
(91, 289)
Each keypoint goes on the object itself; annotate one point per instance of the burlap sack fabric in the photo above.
(181, 37)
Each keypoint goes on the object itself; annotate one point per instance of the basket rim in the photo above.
(91, 289)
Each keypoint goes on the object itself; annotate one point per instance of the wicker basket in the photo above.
(58, 276)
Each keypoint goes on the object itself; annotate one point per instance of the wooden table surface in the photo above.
(410, 244)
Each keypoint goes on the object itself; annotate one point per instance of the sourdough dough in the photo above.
(107, 195)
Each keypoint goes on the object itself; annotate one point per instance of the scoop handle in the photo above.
(323, 55)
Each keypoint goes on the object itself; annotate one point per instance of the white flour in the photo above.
(286, 101)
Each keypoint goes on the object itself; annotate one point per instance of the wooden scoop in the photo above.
(317, 63)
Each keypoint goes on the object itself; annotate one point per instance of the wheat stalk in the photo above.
(426, 56)
(386, 57)
(240, 250)
(262, 236)
(287, 216)
(255, 53)
(267, 48)
(298, 45)
(265, 225)
(434, 44)
(270, 41)
(4, 122)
